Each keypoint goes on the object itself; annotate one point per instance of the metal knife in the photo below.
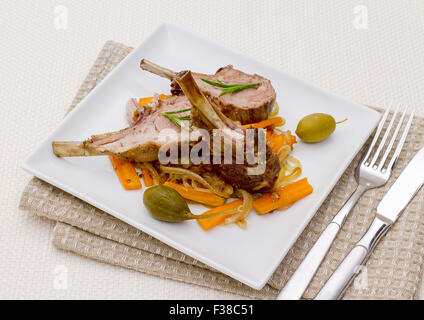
(389, 209)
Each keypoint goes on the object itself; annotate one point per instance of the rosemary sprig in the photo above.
(230, 88)
(178, 111)
(177, 120)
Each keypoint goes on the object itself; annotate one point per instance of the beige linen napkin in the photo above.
(392, 272)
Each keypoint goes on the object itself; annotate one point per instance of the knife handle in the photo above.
(346, 271)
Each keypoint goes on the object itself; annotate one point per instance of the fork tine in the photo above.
(392, 141)
(401, 142)
(383, 140)
(377, 132)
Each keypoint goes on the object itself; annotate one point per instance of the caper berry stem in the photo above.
(341, 121)
(204, 216)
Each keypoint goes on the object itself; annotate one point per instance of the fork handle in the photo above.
(346, 271)
(300, 280)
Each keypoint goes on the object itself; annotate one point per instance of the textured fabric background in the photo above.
(41, 68)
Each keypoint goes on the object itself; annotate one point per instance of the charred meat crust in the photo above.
(245, 113)
(239, 177)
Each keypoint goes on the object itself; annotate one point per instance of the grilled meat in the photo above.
(246, 106)
(237, 174)
(140, 142)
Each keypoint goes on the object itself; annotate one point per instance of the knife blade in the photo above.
(403, 190)
(389, 209)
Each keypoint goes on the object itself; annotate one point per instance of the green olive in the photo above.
(166, 204)
(315, 127)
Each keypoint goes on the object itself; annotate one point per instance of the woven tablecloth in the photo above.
(392, 272)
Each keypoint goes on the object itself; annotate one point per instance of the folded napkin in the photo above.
(392, 272)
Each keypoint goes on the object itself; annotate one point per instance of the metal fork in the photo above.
(369, 174)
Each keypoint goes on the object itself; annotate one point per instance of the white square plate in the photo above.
(249, 256)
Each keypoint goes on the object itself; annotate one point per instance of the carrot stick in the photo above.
(208, 224)
(207, 198)
(286, 196)
(126, 173)
(269, 134)
(266, 123)
(147, 178)
(277, 141)
(143, 101)
(164, 96)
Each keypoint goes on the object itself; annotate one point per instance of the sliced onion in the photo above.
(242, 224)
(283, 153)
(153, 172)
(295, 161)
(275, 110)
(244, 209)
(228, 189)
(196, 177)
(291, 169)
(195, 185)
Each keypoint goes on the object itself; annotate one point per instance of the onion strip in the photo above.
(283, 153)
(275, 110)
(291, 169)
(244, 209)
(196, 177)
(242, 224)
(153, 172)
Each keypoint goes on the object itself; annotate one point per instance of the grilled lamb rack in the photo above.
(141, 143)
(246, 106)
(239, 175)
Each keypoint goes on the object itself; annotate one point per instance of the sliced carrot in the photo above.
(269, 134)
(207, 198)
(277, 141)
(286, 196)
(164, 96)
(278, 121)
(126, 173)
(143, 101)
(147, 178)
(208, 224)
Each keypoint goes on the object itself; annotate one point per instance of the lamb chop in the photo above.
(140, 142)
(241, 175)
(247, 106)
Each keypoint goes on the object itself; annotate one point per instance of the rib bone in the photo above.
(74, 149)
(157, 69)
